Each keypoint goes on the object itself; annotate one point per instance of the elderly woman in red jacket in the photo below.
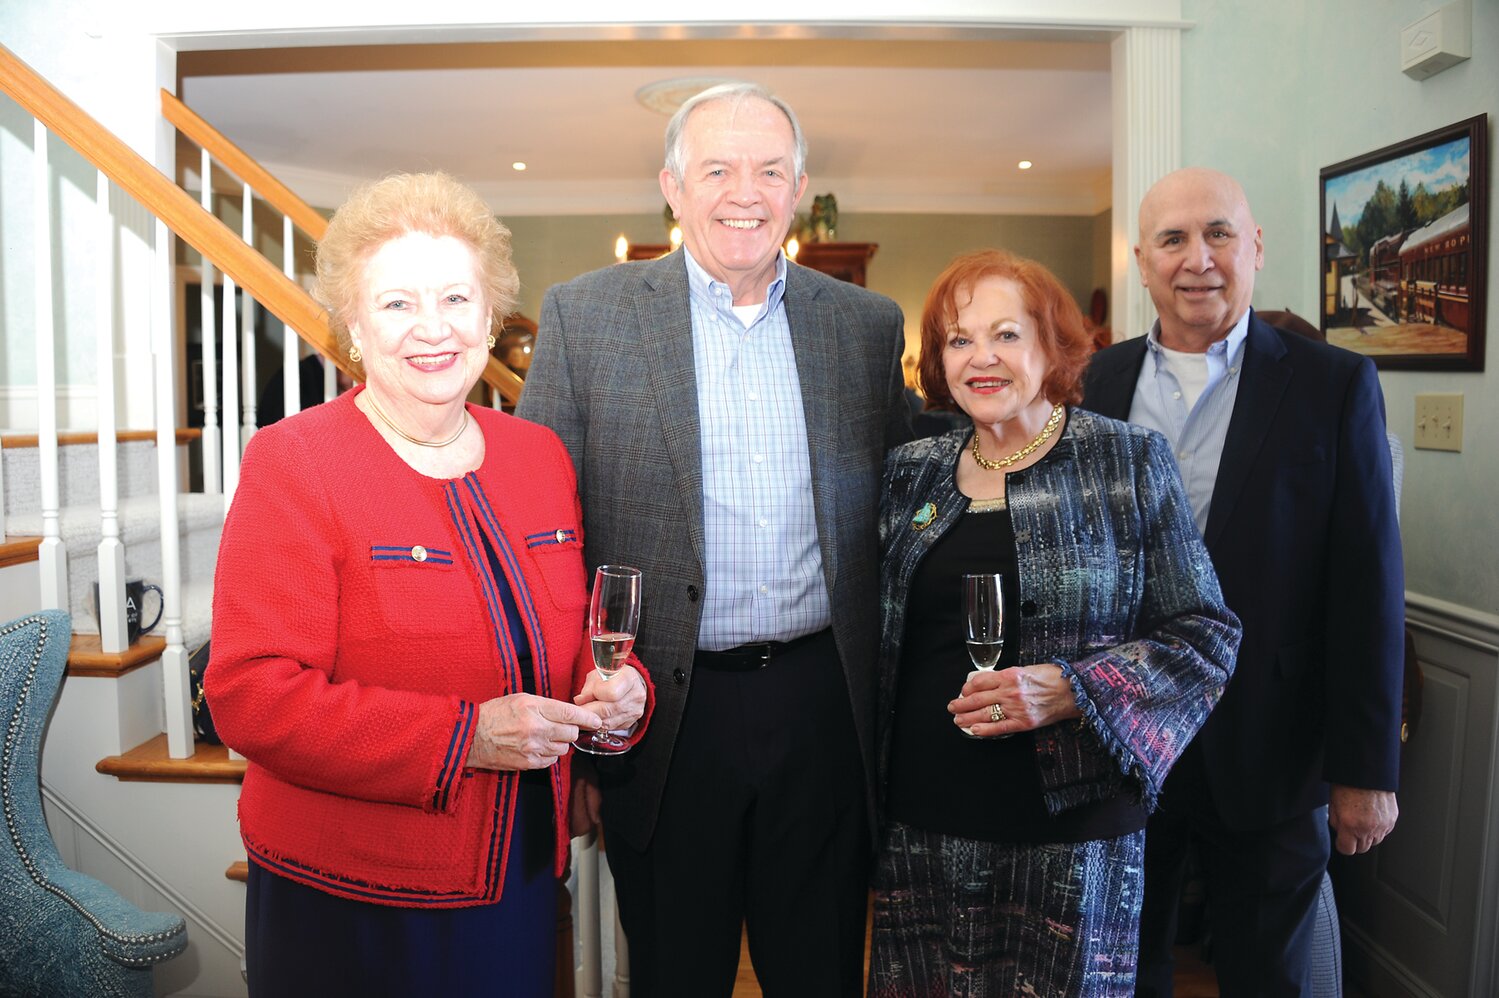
(398, 635)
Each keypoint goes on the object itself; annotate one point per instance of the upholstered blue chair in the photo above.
(61, 933)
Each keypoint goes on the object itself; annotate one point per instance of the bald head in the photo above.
(1198, 252)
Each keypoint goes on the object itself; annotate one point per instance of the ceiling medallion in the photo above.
(665, 96)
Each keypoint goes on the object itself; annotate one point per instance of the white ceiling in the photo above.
(923, 126)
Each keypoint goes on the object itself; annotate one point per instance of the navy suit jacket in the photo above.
(1302, 532)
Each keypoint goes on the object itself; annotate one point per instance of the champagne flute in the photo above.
(613, 616)
(984, 621)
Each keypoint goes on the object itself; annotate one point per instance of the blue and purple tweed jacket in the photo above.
(1115, 587)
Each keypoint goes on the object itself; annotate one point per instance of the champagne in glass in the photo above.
(610, 649)
(613, 616)
(984, 621)
(984, 613)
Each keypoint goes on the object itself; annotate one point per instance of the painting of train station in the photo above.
(1403, 261)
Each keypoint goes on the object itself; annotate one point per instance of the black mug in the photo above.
(135, 596)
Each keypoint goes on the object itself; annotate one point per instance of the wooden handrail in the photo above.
(261, 279)
(243, 166)
(170, 203)
(284, 200)
(498, 376)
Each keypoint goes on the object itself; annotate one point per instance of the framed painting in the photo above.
(1405, 250)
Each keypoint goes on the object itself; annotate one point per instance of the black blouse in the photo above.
(941, 779)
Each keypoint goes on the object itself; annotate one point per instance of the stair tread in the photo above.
(139, 517)
(70, 438)
(16, 549)
(87, 657)
(149, 763)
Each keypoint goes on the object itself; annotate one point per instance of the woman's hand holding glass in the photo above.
(613, 618)
(618, 700)
(1028, 697)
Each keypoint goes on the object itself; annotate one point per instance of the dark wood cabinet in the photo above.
(845, 261)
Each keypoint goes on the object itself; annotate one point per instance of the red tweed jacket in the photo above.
(355, 632)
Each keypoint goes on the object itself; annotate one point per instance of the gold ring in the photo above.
(996, 713)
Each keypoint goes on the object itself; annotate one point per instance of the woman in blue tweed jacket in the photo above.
(1014, 801)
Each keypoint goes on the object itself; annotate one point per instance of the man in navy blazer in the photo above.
(1281, 443)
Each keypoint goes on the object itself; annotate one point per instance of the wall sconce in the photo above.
(792, 248)
(621, 248)
(676, 236)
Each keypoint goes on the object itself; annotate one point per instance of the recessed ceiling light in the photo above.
(517, 166)
(1025, 164)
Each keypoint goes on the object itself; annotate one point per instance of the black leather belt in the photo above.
(748, 658)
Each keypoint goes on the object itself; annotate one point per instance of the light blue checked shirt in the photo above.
(764, 578)
(1196, 435)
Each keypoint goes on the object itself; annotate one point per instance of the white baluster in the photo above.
(3, 530)
(208, 323)
(291, 375)
(247, 323)
(176, 699)
(590, 980)
(232, 435)
(113, 636)
(52, 556)
(621, 957)
(330, 382)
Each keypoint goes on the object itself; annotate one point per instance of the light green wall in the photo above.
(1103, 265)
(552, 249)
(1272, 92)
(913, 249)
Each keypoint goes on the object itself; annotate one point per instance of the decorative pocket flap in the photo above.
(409, 554)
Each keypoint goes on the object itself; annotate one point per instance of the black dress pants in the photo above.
(762, 824)
(1262, 886)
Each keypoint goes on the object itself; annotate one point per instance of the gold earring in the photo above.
(490, 341)
(355, 354)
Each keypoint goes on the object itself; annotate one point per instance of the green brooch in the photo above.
(925, 516)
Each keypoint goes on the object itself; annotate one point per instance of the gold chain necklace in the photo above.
(1057, 412)
(408, 437)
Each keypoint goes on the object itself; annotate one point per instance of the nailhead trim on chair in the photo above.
(12, 733)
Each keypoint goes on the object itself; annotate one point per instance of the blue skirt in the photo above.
(301, 941)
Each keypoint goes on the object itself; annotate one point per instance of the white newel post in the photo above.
(208, 338)
(113, 636)
(1147, 146)
(176, 698)
(52, 556)
(247, 325)
(291, 353)
(232, 446)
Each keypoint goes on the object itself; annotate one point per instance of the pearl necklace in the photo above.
(1057, 412)
(408, 437)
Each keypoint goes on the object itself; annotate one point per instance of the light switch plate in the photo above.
(1439, 421)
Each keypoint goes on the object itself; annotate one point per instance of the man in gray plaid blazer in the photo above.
(728, 413)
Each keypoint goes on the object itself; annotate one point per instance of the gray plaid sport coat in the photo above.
(613, 375)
